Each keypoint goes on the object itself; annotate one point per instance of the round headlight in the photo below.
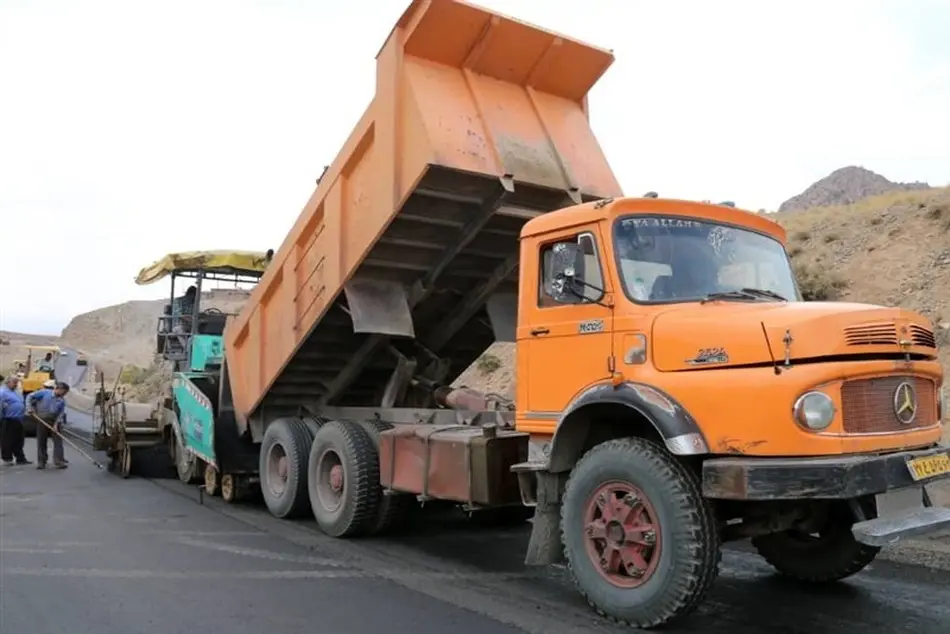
(814, 410)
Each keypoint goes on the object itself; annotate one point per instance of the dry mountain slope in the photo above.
(846, 186)
(892, 249)
(125, 333)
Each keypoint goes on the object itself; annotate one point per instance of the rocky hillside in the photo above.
(892, 249)
(846, 186)
(125, 334)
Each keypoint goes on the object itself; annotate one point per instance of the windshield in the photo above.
(675, 259)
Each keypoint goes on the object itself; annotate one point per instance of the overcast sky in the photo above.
(131, 128)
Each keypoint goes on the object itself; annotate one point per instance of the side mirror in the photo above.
(566, 269)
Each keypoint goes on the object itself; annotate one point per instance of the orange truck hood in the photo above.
(734, 334)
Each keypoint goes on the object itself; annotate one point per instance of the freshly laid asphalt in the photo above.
(83, 551)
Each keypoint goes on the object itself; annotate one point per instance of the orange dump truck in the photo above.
(674, 392)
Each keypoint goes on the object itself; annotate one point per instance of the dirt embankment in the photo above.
(13, 348)
(122, 338)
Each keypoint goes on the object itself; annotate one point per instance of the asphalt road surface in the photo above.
(67, 370)
(85, 551)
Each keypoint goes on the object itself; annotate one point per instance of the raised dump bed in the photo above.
(410, 240)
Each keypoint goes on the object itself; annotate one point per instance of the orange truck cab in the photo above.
(673, 390)
(679, 393)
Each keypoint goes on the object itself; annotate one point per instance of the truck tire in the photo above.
(831, 555)
(343, 479)
(640, 541)
(285, 452)
(394, 508)
(313, 423)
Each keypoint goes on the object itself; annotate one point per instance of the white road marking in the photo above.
(24, 543)
(31, 551)
(182, 574)
(174, 532)
(260, 554)
(103, 573)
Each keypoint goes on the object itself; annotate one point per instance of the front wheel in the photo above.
(640, 540)
(829, 554)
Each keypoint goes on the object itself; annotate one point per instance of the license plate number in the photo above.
(929, 466)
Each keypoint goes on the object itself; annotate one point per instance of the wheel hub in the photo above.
(336, 478)
(622, 534)
(278, 470)
(329, 480)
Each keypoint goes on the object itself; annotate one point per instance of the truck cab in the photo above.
(700, 301)
(679, 393)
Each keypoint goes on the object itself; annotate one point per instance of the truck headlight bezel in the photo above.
(814, 410)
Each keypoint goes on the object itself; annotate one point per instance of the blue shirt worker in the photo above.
(12, 410)
(49, 405)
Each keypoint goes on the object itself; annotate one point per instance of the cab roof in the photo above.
(613, 207)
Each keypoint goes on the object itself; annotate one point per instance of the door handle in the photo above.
(539, 331)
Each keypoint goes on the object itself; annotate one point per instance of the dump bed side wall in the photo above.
(458, 87)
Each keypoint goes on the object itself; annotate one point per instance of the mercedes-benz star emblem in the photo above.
(905, 403)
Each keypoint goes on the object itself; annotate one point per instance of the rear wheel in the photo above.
(343, 479)
(640, 540)
(284, 455)
(829, 554)
(230, 488)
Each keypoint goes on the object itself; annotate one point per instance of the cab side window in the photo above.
(588, 274)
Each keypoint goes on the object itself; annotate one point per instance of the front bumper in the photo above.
(898, 481)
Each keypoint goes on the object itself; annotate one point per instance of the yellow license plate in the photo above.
(929, 466)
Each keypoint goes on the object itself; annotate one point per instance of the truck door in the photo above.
(567, 336)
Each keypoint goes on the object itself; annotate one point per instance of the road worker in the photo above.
(12, 410)
(49, 405)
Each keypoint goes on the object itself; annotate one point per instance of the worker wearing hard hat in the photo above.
(49, 405)
(12, 410)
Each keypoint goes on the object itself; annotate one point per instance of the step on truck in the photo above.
(673, 390)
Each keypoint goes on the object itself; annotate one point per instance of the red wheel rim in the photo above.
(622, 534)
(331, 480)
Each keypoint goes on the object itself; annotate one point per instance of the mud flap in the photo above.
(901, 513)
(544, 545)
(379, 307)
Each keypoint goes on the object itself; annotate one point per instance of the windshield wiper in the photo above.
(744, 293)
(764, 292)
